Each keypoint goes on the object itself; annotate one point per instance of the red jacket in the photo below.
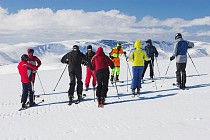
(25, 71)
(101, 61)
(34, 60)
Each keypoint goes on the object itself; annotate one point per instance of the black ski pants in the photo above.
(27, 89)
(103, 82)
(181, 73)
(151, 66)
(75, 76)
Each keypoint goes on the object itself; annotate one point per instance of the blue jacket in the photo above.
(180, 50)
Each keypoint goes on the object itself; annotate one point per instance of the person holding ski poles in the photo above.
(74, 60)
(34, 60)
(180, 53)
(151, 52)
(26, 73)
(115, 56)
(137, 58)
(89, 54)
(101, 64)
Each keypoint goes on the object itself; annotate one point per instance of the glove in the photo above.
(127, 59)
(124, 53)
(172, 58)
(111, 57)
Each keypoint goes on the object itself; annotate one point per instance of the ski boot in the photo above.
(79, 99)
(133, 92)
(112, 78)
(86, 88)
(117, 78)
(70, 100)
(138, 92)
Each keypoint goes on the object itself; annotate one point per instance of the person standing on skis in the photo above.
(115, 56)
(151, 52)
(26, 72)
(90, 53)
(74, 60)
(101, 64)
(34, 60)
(137, 58)
(180, 53)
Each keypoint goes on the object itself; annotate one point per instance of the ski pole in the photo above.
(193, 64)
(94, 94)
(127, 77)
(117, 89)
(165, 74)
(158, 67)
(40, 83)
(154, 74)
(60, 77)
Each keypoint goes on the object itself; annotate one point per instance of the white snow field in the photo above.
(163, 114)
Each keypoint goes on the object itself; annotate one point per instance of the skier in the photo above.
(34, 60)
(90, 53)
(74, 59)
(25, 70)
(138, 58)
(101, 64)
(180, 52)
(151, 52)
(115, 56)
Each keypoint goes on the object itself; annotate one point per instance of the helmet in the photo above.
(89, 47)
(149, 41)
(30, 50)
(178, 35)
(76, 48)
(24, 57)
(119, 45)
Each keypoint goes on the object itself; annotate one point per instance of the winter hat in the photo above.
(138, 44)
(178, 35)
(75, 48)
(119, 45)
(30, 50)
(149, 41)
(100, 49)
(24, 57)
(89, 47)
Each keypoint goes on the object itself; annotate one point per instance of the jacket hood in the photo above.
(100, 51)
(138, 44)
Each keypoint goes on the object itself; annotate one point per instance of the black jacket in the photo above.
(151, 51)
(90, 56)
(74, 60)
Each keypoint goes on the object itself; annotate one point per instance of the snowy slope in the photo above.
(163, 114)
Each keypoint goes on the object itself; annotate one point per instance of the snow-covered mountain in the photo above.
(51, 51)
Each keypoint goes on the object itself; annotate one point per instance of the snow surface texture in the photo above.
(163, 114)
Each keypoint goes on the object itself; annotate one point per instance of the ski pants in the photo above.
(27, 89)
(103, 82)
(151, 66)
(181, 73)
(73, 76)
(90, 74)
(137, 73)
(116, 70)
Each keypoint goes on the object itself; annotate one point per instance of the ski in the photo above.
(100, 106)
(174, 84)
(23, 108)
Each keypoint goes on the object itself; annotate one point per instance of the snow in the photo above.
(162, 114)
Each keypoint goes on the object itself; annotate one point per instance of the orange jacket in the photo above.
(115, 53)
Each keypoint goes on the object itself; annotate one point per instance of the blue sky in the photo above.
(115, 19)
(187, 9)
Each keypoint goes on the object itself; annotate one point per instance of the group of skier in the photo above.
(97, 66)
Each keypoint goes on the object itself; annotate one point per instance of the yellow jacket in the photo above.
(138, 56)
